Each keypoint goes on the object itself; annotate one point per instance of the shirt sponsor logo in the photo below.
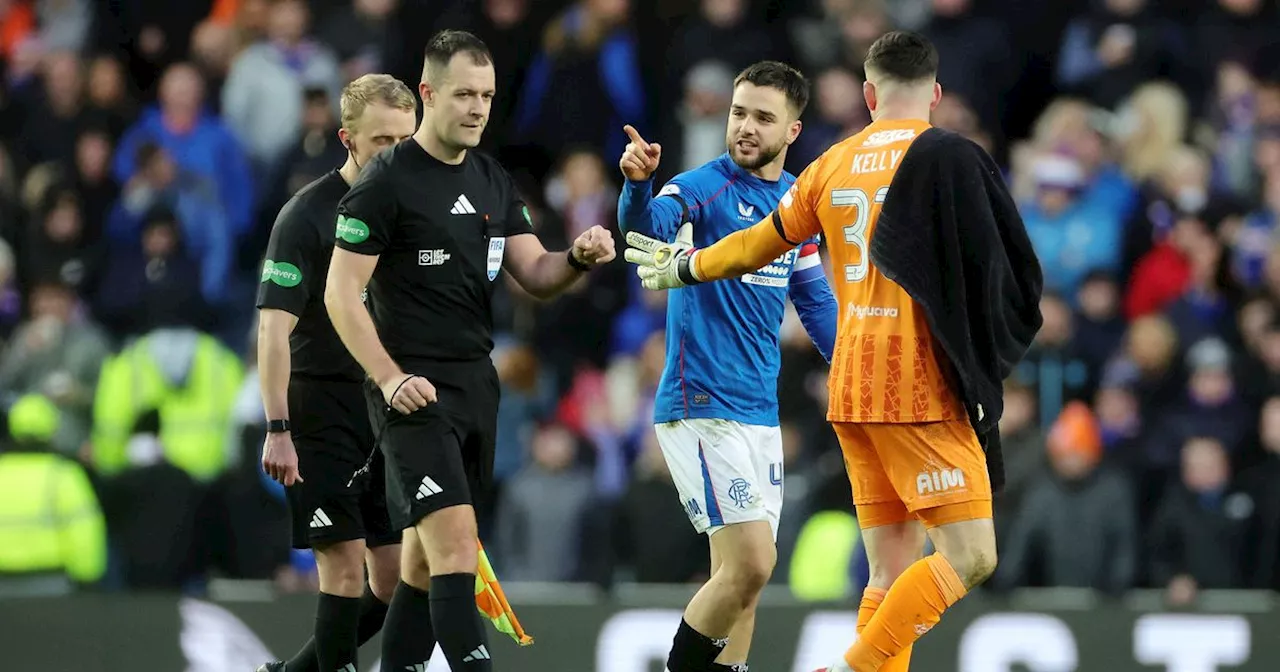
(863, 312)
(281, 272)
(776, 274)
(352, 230)
(888, 137)
(746, 212)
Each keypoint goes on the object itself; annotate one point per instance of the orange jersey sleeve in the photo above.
(795, 220)
(740, 252)
(797, 217)
(885, 367)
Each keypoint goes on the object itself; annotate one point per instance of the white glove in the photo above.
(663, 265)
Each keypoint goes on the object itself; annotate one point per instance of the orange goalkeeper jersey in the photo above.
(886, 367)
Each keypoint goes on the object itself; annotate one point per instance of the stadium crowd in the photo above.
(146, 145)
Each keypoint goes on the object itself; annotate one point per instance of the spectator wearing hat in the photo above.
(1077, 522)
(53, 525)
(1211, 405)
(1072, 235)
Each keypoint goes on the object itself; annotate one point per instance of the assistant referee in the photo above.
(319, 432)
(428, 228)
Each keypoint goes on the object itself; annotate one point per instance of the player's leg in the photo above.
(939, 470)
(326, 518)
(427, 491)
(340, 567)
(407, 636)
(738, 647)
(713, 466)
(454, 452)
(450, 538)
(891, 548)
(729, 596)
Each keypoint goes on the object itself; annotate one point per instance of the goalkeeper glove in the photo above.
(663, 265)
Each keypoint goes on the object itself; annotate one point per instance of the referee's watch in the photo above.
(277, 426)
(575, 264)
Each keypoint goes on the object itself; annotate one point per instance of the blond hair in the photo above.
(1161, 112)
(373, 89)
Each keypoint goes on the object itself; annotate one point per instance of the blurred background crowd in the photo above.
(146, 145)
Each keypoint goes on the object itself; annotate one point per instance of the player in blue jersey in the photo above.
(716, 412)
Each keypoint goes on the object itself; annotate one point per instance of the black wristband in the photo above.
(683, 271)
(277, 426)
(575, 264)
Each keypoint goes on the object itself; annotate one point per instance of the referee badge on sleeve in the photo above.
(497, 246)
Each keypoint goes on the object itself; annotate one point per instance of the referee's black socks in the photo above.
(457, 623)
(336, 623)
(408, 638)
(372, 612)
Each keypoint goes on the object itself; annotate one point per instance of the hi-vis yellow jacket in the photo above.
(194, 417)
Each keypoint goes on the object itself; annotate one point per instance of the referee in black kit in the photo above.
(319, 433)
(428, 227)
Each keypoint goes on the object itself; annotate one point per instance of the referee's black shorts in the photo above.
(441, 455)
(332, 435)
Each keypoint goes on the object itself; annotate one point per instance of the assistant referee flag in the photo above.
(491, 602)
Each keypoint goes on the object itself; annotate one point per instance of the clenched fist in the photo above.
(594, 247)
(640, 158)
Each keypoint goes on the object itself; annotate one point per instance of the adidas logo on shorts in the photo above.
(427, 488)
(319, 519)
(480, 653)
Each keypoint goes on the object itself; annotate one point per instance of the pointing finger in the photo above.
(635, 137)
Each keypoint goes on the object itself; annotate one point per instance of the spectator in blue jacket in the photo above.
(206, 231)
(198, 141)
(1075, 230)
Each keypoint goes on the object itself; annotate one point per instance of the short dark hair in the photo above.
(780, 76)
(446, 44)
(904, 56)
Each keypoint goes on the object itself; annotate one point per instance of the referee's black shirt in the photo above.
(440, 232)
(293, 278)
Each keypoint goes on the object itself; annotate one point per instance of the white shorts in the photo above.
(726, 472)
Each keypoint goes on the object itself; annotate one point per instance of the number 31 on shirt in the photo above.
(855, 234)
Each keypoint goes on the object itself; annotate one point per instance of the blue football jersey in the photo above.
(722, 337)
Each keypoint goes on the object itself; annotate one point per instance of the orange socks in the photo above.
(871, 599)
(913, 605)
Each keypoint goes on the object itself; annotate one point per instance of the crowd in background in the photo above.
(146, 145)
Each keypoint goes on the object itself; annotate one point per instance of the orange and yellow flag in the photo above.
(491, 602)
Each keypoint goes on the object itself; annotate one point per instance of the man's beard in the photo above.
(764, 155)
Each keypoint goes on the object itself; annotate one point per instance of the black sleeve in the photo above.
(516, 219)
(292, 255)
(367, 213)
